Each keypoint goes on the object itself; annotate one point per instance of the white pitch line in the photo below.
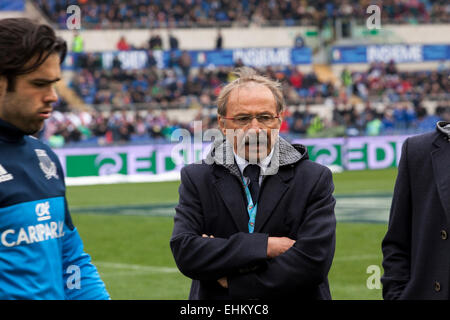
(136, 267)
(356, 257)
(155, 269)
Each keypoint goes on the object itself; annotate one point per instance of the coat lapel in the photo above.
(441, 168)
(230, 189)
(272, 190)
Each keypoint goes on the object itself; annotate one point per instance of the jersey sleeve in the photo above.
(81, 278)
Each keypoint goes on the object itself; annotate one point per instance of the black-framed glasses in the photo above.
(266, 119)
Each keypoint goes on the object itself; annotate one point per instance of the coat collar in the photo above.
(444, 128)
(284, 154)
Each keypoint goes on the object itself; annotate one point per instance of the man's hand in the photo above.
(223, 282)
(278, 245)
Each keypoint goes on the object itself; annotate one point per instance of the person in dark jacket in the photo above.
(416, 248)
(255, 220)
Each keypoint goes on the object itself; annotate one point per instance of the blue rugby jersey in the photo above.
(41, 252)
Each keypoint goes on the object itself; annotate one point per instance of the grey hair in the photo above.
(246, 75)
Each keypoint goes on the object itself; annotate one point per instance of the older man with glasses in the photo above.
(255, 220)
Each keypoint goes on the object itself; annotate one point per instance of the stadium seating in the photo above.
(154, 14)
(126, 105)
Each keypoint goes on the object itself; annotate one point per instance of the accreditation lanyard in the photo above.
(251, 208)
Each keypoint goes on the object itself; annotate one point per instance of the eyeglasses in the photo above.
(242, 120)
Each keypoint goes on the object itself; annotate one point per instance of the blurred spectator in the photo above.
(123, 45)
(391, 69)
(298, 126)
(424, 121)
(299, 42)
(155, 42)
(315, 127)
(185, 63)
(296, 79)
(78, 43)
(173, 41)
(219, 40)
(373, 125)
(347, 82)
(116, 64)
(239, 63)
(388, 121)
(444, 111)
(151, 61)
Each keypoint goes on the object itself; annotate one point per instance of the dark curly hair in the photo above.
(21, 40)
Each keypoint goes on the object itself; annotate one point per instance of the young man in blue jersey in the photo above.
(41, 252)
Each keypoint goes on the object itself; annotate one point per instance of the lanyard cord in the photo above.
(251, 208)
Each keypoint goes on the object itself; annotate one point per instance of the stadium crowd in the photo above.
(204, 13)
(124, 101)
(66, 128)
(181, 86)
(385, 82)
(131, 97)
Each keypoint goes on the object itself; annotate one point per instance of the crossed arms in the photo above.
(275, 247)
(256, 265)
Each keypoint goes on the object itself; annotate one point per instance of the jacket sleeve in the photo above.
(396, 245)
(306, 264)
(81, 279)
(205, 258)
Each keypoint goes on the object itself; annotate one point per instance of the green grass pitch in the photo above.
(132, 253)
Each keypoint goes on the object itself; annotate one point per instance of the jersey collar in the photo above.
(10, 133)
